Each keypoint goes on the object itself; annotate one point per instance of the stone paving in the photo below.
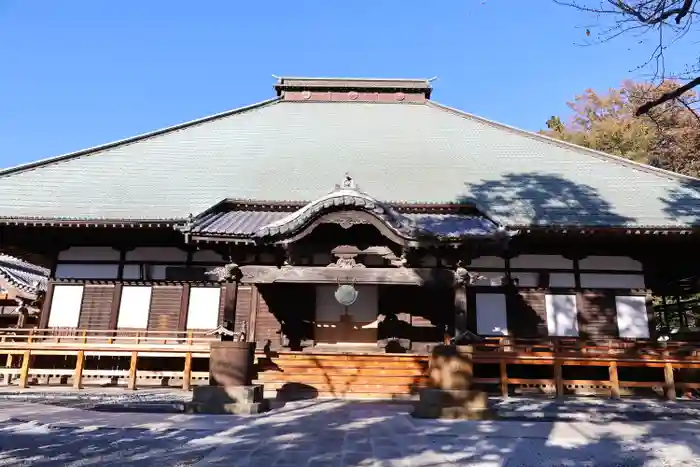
(43, 432)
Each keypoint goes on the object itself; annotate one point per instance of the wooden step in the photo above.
(338, 364)
(339, 389)
(347, 357)
(339, 379)
(343, 371)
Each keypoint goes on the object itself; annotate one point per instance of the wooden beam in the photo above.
(357, 275)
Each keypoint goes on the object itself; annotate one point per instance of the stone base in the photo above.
(237, 400)
(462, 404)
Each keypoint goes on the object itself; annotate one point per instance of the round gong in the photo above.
(346, 295)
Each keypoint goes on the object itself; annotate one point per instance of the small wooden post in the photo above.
(80, 365)
(132, 371)
(670, 383)
(24, 372)
(504, 379)
(8, 364)
(187, 372)
(558, 373)
(614, 380)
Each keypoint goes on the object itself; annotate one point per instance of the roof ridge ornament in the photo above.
(348, 183)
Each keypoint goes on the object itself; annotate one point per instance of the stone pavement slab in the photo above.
(330, 433)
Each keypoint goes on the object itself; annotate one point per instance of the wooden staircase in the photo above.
(295, 375)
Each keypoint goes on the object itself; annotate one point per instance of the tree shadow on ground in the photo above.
(316, 433)
(535, 198)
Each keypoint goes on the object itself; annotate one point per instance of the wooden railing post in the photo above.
(670, 382)
(614, 380)
(132, 371)
(8, 364)
(24, 372)
(558, 373)
(187, 372)
(504, 379)
(80, 365)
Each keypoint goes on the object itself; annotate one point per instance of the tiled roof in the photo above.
(241, 223)
(408, 152)
(26, 277)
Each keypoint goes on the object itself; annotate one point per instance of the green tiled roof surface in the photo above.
(298, 151)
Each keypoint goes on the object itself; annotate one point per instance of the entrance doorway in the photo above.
(338, 324)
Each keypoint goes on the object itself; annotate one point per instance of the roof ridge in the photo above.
(133, 139)
(592, 152)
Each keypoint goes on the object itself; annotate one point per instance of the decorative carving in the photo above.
(348, 183)
(346, 262)
(345, 221)
(464, 277)
(230, 272)
(365, 210)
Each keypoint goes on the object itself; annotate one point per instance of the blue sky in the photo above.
(81, 73)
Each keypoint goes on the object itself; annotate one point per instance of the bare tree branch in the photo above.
(618, 17)
(667, 96)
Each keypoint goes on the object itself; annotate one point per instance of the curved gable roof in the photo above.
(408, 152)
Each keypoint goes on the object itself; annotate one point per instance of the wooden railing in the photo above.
(22, 345)
(613, 354)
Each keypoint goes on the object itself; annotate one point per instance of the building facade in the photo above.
(358, 214)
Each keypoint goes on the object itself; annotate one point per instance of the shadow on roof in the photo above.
(534, 198)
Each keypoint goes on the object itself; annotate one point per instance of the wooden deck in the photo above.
(504, 366)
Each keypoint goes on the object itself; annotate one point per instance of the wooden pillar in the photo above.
(24, 372)
(114, 310)
(184, 307)
(504, 378)
(187, 372)
(614, 380)
(254, 305)
(132, 371)
(46, 307)
(230, 303)
(670, 382)
(80, 365)
(558, 372)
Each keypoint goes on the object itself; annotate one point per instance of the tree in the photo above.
(669, 21)
(667, 136)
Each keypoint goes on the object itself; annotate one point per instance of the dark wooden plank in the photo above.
(95, 311)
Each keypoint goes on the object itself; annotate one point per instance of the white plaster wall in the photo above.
(89, 253)
(134, 307)
(87, 271)
(541, 262)
(157, 271)
(132, 272)
(203, 309)
(491, 314)
(65, 306)
(612, 281)
(160, 254)
(526, 279)
(610, 263)
(488, 262)
(632, 317)
(562, 315)
(492, 279)
(559, 279)
(208, 256)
